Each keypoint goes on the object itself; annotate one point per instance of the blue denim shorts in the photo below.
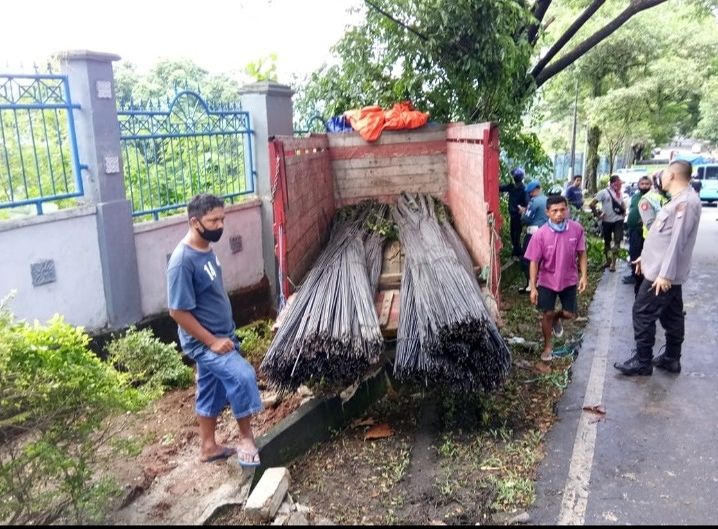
(225, 378)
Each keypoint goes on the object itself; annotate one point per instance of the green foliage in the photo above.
(524, 149)
(642, 86)
(149, 362)
(54, 395)
(256, 338)
(263, 69)
(466, 65)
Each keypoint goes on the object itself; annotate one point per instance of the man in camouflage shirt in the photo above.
(665, 262)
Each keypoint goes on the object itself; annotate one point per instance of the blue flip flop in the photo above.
(252, 454)
(224, 454)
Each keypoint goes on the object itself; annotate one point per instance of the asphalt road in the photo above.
(653, 457)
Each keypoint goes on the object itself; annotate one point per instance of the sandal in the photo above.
(248, 458)
(550, 357)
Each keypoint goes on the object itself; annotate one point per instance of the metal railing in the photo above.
(39, 159)
(171, 153)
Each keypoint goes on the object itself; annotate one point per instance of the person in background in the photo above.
(200, 305)
(574, 193)
(517, 197)
(553, 252)
(613, 211)
(635, 231)
(665, 263)
(533, 216)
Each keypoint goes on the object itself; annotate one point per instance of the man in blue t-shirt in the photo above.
(574, 193)
(200, 306)
(533, 216)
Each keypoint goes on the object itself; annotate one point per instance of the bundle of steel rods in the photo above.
(331, 332)
(445, 334)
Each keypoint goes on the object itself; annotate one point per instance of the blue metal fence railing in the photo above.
(39, 160)
(170, 154)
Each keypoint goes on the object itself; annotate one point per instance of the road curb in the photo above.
(316, 421)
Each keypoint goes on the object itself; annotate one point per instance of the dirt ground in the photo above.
(416, 457)
(155, 453)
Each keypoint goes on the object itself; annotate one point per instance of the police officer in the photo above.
(517, 197)
(665, 263)
(649, 204)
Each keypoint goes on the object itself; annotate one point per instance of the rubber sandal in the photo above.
(549, 359)
(252, 454)
(557, 329)
(224, 454)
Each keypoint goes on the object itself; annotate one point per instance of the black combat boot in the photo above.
(672, 365)
(634, 366)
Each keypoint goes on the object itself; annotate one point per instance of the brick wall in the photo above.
(412, 161)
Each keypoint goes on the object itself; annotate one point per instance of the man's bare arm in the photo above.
(189, 323)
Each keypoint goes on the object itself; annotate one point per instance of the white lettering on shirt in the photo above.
(211, 272)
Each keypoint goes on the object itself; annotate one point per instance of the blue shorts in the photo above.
(225, 378)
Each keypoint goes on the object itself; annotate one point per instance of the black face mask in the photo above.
(643, 191)
(210, 235)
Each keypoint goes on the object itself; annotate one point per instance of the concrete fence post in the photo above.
(270, 110)
(98, 135)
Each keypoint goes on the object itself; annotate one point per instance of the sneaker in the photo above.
(628, 280)
(633, 366)
(525, 290)
(672, 365)
(557, 329)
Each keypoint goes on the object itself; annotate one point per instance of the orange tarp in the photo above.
(372, 120)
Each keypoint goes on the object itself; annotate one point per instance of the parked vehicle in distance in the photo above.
(707, 175)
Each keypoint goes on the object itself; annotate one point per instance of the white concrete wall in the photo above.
(69, 238)
(154, 241)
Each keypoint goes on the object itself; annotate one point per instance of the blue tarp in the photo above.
(695, 159)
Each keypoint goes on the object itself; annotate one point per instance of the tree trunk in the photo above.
(594, 138)
(637, 150)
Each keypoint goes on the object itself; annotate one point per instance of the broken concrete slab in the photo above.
(268, 495)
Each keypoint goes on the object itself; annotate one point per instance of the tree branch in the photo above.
(636, 6)
(395, 20)
(567, 36)
(538, 11)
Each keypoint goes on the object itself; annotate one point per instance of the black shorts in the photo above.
(547, 299)
(612, 230)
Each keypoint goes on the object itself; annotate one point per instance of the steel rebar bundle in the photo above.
(445, 334)
(331, 331)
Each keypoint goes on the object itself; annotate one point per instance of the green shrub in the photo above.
(149, 362)
(54, 396)
(256, 338)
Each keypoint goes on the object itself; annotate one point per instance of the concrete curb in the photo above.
(316, 421)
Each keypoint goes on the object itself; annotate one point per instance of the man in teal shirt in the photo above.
(533, 217)
(635, 231)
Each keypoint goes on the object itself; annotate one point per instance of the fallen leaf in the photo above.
(379, 431)
(363, 422)
(597, 408)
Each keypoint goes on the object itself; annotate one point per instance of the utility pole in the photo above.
(573, 135)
